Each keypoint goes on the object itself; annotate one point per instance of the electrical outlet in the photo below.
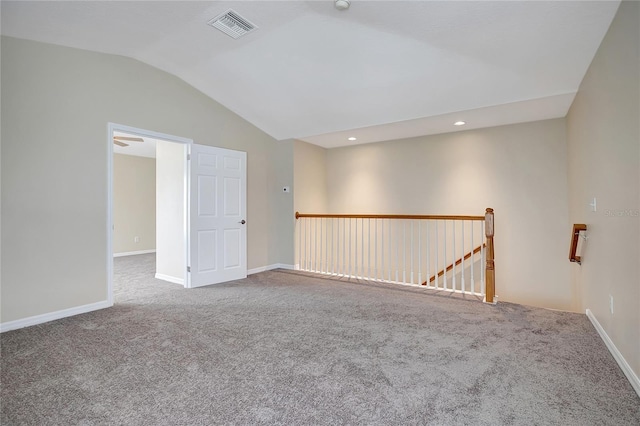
(593, 204)
(611, 304)
(136, 239)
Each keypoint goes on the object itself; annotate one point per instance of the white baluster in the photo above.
(411, 252)
(360, 261)
(305, 238)
(300, 228)
(356, 262)
(404, 252)
(382, 247)
(330, 244)
(390, 253)
(322, 236)
(362, 251)
(453, 278)
(482, 264)
(437, 283)
(316, 248)
(334, 245)
(338, 254)
(473, 257)
(338, 239)
(310, 247)
(369, 249)
(312, 244)
(347, 247)
(419, 251)
(428, 280)
(344, 246)
(326, 245)
(307, 245)
(350, 247)
(300, 223)
(397, 262)
(446, 285)
(463, 249)
(375, 255)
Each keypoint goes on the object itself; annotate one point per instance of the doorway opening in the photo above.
(154, 222)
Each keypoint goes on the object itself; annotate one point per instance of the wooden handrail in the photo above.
(457, 262)
(575, 234)
(388, 216)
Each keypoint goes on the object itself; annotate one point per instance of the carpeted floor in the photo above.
(283, 348)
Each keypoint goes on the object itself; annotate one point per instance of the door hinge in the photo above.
(188, 268)
(188, 157)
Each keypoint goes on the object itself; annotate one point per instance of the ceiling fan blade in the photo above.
(120, 143)
(127, 138)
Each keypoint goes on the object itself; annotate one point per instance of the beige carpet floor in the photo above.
(284, 348)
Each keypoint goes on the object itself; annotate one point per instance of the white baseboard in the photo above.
(169, 278)
(269, 268)
(624, 366)
(133, 253)
(51, 316)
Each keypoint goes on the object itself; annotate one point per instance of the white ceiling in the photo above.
(146, 148)
(381, 70)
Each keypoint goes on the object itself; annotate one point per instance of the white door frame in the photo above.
(114, 127)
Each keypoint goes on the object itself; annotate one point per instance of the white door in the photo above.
(217, 215)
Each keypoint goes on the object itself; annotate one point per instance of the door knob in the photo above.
(242, 222)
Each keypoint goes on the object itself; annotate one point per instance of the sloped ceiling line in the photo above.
(380, 70)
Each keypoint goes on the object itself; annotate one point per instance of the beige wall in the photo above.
(282, 212)
(604, 162)
(309, 183)
(310, 179)
(134, 203)
(56, 103)
(170, 211)
(519, 170)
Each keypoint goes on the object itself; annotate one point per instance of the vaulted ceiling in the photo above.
(380, 70)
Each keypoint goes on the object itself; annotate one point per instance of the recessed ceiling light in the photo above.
(459, 123)
(352, 138)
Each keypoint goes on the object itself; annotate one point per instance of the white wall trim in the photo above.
(110, 129)
(170, 279)
(133, 253)
(624, 366)
(51, 316)
(269, 268)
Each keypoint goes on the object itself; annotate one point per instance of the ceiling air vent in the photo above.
(232, 24)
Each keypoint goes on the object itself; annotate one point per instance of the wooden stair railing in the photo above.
(488, 219)
(457, 262)
(575, 235)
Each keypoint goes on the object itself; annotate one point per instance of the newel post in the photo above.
(490, 286)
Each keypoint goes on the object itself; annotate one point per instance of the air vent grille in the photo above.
(232, 24)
